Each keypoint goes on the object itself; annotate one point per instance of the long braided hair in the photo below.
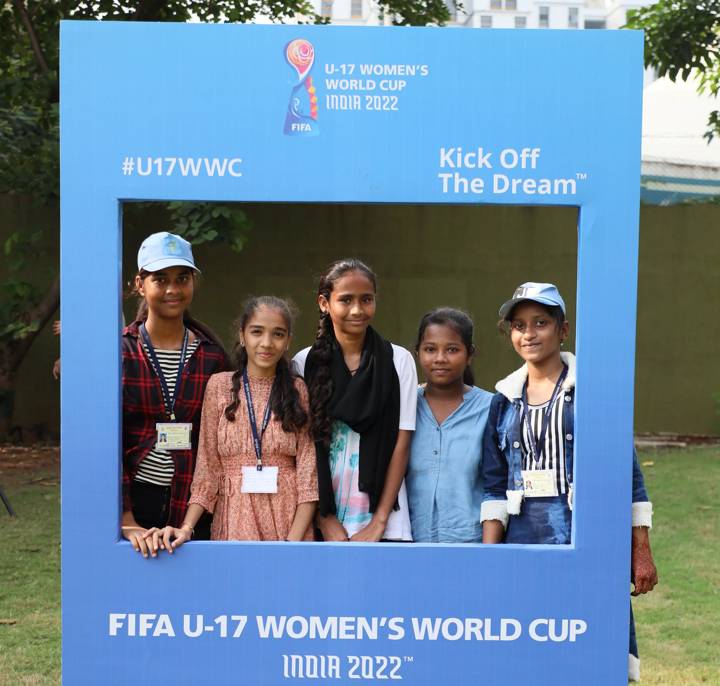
(321, 386)
(458, 321)
(285, 399)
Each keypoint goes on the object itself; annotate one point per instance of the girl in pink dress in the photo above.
(256, 468)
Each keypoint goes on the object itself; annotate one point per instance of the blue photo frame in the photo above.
(333, 114)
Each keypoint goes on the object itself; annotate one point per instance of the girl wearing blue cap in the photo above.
(167, 359)
(528, 442)
(444, 479)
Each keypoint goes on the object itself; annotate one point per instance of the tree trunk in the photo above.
(12, 355)
(7, 403)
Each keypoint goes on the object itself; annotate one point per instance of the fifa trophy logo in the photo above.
(302, 112)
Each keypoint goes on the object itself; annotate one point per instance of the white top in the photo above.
(353, 504)
(407, 375)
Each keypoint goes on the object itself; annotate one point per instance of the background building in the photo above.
(498, 14)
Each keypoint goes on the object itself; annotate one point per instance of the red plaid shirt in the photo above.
(143, 406)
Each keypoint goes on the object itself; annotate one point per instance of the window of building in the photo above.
(326, 9)
(544, 17)
(356, 9)
(520, 22)
(573, 15)
(510, 4)
(495, 4)
(595, 24)
(485, 21)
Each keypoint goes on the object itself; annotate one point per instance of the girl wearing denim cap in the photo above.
(527, 445)
(167, 359)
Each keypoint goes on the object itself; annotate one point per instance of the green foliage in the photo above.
(417, 12)
(29, 151)
(28, 102)
(204, 222)
(19, 296)
(211, 11)
(682, 37)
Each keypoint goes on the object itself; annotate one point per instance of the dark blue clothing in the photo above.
(539, 520)
(533, 520)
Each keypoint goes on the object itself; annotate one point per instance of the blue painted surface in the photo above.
(192, 92)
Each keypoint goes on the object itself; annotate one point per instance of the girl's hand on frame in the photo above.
(372, 533)
(136, 536)
(492, 531)
(643, 572)
(168, 538)
(331, 529)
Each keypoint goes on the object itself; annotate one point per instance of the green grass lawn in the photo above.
(30, 579)
(677, 623)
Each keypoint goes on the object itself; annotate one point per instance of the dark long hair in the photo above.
(285, 399)
(458, 321)
(190, 322)
(321, 386)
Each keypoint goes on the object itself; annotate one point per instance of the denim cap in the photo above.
(162, 250)
(543, 293)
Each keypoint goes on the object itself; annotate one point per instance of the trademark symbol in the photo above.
(409, 658)
(581, 176)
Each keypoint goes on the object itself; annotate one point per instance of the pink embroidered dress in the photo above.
(226, 447)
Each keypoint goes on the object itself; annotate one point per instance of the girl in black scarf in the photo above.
(362, 399)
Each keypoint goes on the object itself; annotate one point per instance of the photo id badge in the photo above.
(173, 436)
(263, 481)
(539, 483)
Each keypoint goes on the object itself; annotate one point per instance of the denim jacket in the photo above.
(502, 452)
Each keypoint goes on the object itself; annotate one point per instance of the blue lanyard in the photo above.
(169, 399)
(537, 447)
(257, 438)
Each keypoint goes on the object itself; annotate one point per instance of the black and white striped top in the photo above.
(553, 455)
(157, 467)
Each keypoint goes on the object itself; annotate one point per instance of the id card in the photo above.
(263, 481)
(539, 483)
(173, 436)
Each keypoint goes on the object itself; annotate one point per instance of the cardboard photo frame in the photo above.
(333, 114)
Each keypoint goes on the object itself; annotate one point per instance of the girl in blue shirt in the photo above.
(444, 478)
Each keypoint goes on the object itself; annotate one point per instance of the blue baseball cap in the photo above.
(162, 250)
(543, 293)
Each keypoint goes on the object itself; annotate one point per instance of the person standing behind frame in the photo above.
(362, 398)
(444, 479)
(256, 460)
(167, 359)
(528, 443)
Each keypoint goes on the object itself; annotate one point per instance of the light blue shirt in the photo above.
(444, 479)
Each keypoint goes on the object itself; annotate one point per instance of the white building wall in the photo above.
(497, 14)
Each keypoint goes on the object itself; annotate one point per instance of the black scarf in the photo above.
(369, 403)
